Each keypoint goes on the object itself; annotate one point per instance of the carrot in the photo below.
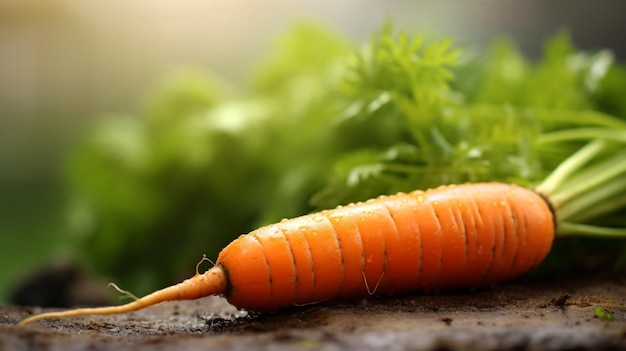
(450, 237)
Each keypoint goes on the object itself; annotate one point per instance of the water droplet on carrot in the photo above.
(318, 219)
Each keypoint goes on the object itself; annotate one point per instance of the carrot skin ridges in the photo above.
(467, 235)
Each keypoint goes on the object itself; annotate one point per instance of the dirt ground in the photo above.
(544, 314)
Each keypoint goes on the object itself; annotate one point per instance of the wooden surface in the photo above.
(555, 314)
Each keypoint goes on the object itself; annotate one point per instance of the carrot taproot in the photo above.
(455, 236)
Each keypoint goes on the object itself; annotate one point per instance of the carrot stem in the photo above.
(582, 134)
(569, 166)
(578, 229)
(579, 207)
(591, 178)
(584, 117)
(590, 183)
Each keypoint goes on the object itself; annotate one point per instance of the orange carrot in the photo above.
(450, 237)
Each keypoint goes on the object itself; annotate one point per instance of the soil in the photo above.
(541, 314)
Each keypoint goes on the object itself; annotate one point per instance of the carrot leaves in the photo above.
(494, 117)
(325, 122)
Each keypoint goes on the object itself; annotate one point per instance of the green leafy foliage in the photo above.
(403, 82)
(143, 182)
(305, 52)
(609, 95)
(563, 78)
(193, 169)
(326, 123)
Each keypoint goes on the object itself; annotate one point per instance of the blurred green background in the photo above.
(91, 91)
